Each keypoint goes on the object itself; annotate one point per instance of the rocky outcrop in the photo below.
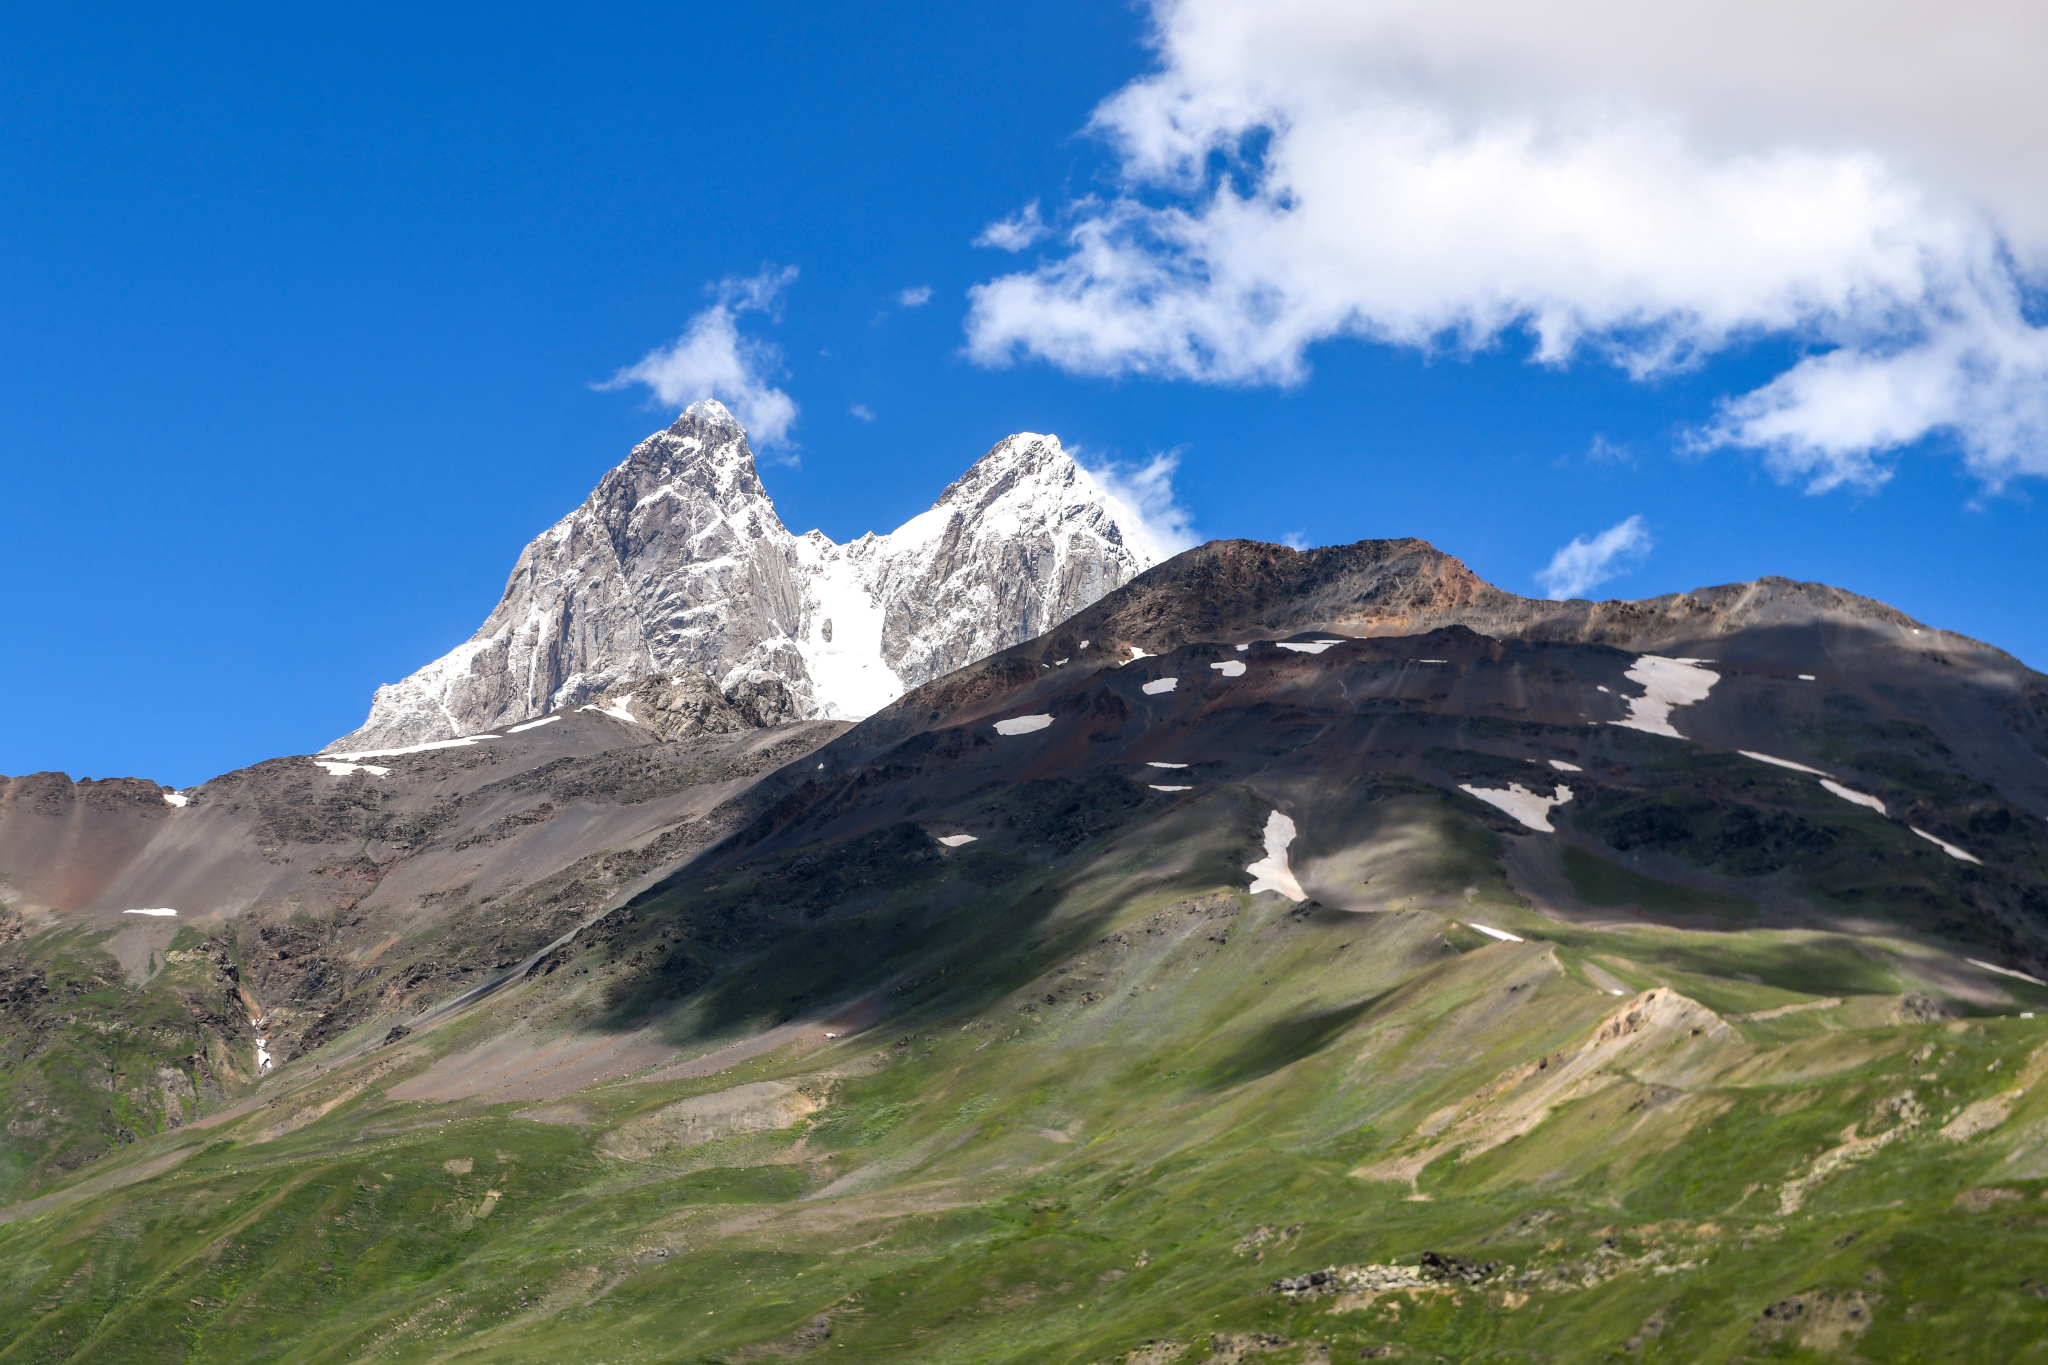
(690, 704)
(678, 565)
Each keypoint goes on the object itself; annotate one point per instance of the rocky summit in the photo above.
(1288, 957)
(677, 564)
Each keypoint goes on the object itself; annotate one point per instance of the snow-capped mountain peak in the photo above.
(677, 561)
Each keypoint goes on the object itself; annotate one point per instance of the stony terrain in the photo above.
(1291, 957)
(677, 566)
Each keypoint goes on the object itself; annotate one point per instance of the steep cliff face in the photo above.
(678, 564)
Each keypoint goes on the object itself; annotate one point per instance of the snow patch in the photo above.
(1503, 935)
(1565, 767)
(1022, 725)
(1859, 798)
(1271, 873)
(1946, 847)
(1666, 683)
(955, 840)
(1137, 654)
(2005, 971)
(1242, 648)
(617, 711)
(1806, 677)
(1432, 661)
(1780, 762)
(159, 912)
(462, 743)
(335, 769)
(1229, 668)
(1311, 647)
(1159, 685)
(1165, 765)
(175, 798)
(532, 725)
(1518, 801)
(1159, 788)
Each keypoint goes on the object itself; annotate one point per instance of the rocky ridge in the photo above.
(677, 564)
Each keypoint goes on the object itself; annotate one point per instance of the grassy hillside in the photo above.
(1089, 1101)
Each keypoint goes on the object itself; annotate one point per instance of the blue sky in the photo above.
(304, 317)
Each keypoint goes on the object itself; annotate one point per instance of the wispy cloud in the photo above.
(1146, 491)
(861, 411)
(1584, 564)
(1644, 187)
(711, 359)
(1604, 451)
(916, 297)
(1016, 232)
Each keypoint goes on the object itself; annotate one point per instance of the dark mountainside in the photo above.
(1295, 956)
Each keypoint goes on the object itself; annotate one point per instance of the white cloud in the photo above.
(1146, 491)
(1016, 232)
(916, 297)
(1642, 184)
(712, 360)
(1585, 564)
(861, 411)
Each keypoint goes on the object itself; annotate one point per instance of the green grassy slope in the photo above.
(1094, 1101)
(92, 1061)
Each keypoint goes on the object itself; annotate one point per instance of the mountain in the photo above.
(1289, 957)
(677, 563)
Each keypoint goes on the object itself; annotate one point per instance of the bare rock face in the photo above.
(763, 701)
(690, 705)
(686, 706)
(677, 567)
